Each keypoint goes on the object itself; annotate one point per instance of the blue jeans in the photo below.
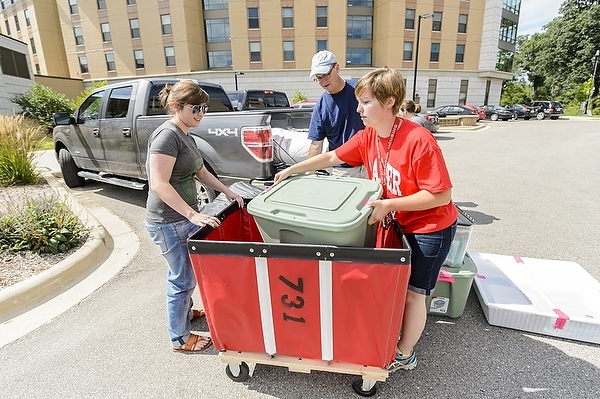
(171, 238)
(428, 253)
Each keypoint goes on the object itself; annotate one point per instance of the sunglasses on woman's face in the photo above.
(196, 109)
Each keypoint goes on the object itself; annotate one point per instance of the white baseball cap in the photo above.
(321, 63)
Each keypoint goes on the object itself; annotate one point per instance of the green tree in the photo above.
(298, 96)
(515, 92)
(40, 103)
(86, 92)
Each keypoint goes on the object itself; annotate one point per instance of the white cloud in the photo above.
(535, 14)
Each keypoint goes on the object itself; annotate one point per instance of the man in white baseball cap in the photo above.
(334, 116)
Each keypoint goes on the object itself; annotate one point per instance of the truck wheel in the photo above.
(205, 193)
(69, 169)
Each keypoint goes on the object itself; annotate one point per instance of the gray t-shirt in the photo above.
(169, 139)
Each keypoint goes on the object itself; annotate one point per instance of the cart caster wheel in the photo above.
(357, 386)
(242, 376)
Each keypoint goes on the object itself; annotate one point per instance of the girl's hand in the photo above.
(201, 219)
(231, 196)
(281, 176)
(380, 210)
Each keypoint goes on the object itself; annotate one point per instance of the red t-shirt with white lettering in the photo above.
(415, 163)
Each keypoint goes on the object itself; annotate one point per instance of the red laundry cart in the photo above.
(305, 307)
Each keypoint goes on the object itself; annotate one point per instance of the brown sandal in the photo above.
(195, 343)
(197, 314)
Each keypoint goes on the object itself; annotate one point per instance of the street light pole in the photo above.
(588, 111)
(417, 52)
(235, 75)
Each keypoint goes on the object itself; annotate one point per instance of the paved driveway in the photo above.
(532, 188)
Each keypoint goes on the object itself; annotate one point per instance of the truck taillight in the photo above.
(258, 141)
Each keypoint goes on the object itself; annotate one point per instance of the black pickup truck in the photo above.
(106, 138)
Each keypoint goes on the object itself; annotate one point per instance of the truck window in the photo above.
(90, 107)
(118, 102)
(218, 100)
(266, 99)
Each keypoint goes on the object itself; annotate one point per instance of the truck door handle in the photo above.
(96, 132)
(126, 132)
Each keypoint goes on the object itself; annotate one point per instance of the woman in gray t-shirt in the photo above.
(172, 214)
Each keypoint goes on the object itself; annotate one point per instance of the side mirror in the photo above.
(62, 119)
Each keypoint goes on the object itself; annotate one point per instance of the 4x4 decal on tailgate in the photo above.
(224, 132)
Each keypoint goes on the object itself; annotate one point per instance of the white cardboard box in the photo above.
(550, 297)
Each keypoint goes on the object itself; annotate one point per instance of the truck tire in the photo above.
(205, 193)
(69, 169)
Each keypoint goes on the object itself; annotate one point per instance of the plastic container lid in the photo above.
(318, 202)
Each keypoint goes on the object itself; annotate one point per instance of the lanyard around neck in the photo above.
(381, 164)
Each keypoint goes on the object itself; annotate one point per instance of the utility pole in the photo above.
(588, 109)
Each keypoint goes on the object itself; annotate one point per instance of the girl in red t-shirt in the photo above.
(408, 163)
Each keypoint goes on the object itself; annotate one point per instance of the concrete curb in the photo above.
(29, 293)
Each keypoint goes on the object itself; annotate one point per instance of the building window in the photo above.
(165, 20)
(460, 53)
(134, 25)
(14, 63)
(7, 27)
(359, 27)
(32, 43)
(37, 69)
(78, 35)
(431, 89)
(434, 56)
(215, 4)
(139, 59)
(321, 45)
(288, 51)
(17, 24)
(513, 6)
(255, 52)
(321, 17)
(27, 19)
(130, 2)
(217, 30)
(436, 25)
(110, 62)
(287, 17)
(360, 3)
(464, 88)
(462, 23)
(253, 18)
(101, 5)
(83, 64)
(408, 50)
(508, 31)
(73, 7)
(219, 59)
(409, 19)
(105, 32)
(358, 56)
(170, 55)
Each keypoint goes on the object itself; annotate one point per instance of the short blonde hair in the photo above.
(383, 83)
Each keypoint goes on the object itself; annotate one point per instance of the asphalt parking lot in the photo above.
(532, 188)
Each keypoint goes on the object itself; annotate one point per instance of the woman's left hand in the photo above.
(231, 196)
(380, 210)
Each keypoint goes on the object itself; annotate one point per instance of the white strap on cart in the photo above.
(325, 292)
(264, 300)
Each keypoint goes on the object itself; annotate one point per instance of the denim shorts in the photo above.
(428, 253)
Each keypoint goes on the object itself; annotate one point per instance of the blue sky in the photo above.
(535, 14)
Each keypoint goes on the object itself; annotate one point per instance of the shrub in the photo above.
(19, 138)
(41, 102)
(41, 225)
